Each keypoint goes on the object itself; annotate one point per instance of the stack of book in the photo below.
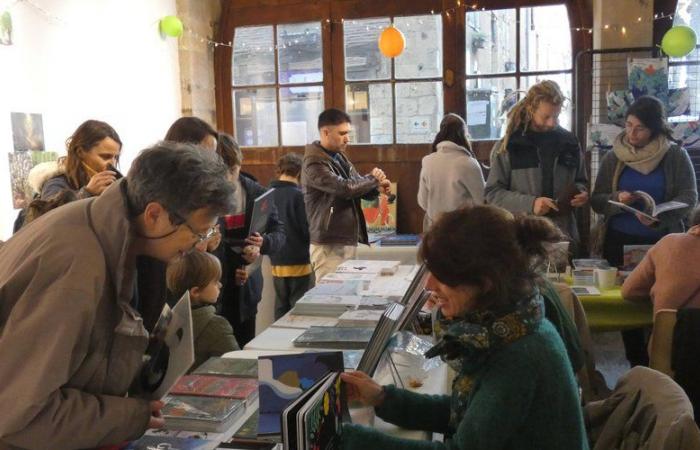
(360, 318)
(244, 389)
(368, 266)
(325, 305)
(334, 337)
(387, 326)
(228, 367)
(210, 414)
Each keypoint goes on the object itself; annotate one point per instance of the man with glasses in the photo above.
(74, 308)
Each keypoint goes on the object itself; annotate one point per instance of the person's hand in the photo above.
(646, 221)
(361, 387)
(241, 276)
(100, 181)
(385, 186)
(579, 199)
(625, 197)
(214, 241)
(254, 239)
(694, 230)
(156, 420)
(250, 253)
(378, 174)
(543, 205)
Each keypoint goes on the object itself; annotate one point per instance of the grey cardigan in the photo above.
(680, 186)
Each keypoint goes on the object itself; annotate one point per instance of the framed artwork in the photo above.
(27, 132)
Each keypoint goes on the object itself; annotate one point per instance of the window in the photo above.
(509, 50)
(277, 75)
(395, 100)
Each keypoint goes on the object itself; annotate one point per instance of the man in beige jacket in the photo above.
(73, 300)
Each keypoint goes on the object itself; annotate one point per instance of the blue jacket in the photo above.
(290, 206)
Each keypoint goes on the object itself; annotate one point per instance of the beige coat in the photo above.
(70, 344)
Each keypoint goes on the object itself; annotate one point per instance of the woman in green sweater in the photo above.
(515, 388)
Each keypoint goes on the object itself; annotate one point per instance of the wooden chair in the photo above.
(661, 342)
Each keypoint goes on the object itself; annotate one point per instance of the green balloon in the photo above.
(171, 26)
(679, 41)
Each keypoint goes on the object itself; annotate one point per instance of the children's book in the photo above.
(386, 327)
(649, 208)
(247, 436)
(188, 412)
(314, 420)
(283, 378)
(149, 442)
(228, 367)
(212, 386)
(170, 351)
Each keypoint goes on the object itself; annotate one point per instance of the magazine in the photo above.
(650, 209)
(170, 351)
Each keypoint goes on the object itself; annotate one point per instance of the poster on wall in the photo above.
(27, 132)
(380, 214)
(648, 76)
(21, 163)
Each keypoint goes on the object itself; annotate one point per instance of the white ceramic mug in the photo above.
(606, 278)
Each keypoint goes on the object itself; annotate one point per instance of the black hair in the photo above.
(650, 111)
(192, 130)
(332, 116)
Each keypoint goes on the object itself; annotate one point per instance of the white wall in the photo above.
(102, 59)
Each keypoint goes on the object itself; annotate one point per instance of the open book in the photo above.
(650, 209)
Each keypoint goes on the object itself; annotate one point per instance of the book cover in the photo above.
(188, 412)
(334, 337)
(262, 206)
(228, 367)
(380, 213)
(149, 442)
(283, 378)
(213, 386)
(368, 266)
(170, 351)
(400, 240)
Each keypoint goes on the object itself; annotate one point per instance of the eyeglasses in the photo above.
(201, 237)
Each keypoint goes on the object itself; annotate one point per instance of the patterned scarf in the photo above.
(466, 343)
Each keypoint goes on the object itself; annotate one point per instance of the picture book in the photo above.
(188, 412)
(283, 378)
(314, 420)
(150, 442)
(334, 337)
(212, 386)
(647, 207)
(386, 327)
(228, 367)
(170, 351)
(368, 266)
(247, 436)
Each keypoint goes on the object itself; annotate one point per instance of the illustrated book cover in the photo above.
(188, 412)
(228, 367)
(213, 386)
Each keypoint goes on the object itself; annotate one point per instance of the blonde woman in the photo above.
(537, 168)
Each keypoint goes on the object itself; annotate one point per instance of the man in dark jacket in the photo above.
(332, 193)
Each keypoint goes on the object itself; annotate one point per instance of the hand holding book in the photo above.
(362, 388)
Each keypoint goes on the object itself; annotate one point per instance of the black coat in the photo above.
(239, 303)
(289, 201)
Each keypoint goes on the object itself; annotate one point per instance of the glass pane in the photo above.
(545, 38)
(369, 107)
(255, 117)
(253, 56)
(688, 13)
(564, 82)
(299, 50)
(363, 61)
(418, 111)
(299, 108)
(491, 41)
(486, 109)
(684, 85)
(422, 57)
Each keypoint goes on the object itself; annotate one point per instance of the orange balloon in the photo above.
(391, 42)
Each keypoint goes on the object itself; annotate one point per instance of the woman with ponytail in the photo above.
(537, 168)
(515, 387)
(645, 158)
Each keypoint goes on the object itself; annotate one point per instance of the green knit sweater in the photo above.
(524, 397)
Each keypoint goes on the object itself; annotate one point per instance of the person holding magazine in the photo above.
(644, 158)
(515, 387)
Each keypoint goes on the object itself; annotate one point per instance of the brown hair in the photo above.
(39, 207)
(189, 130)
(290, 164)
(194, 269)
(488, 247)
(520, 115)
(84, 138)
(651, 112)
(454, 129)
(229, 150)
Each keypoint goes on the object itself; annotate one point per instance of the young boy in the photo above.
(199, 273)
(291, 266)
